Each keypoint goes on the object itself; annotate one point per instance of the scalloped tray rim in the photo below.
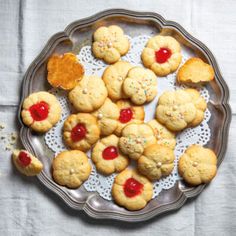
(24, 131)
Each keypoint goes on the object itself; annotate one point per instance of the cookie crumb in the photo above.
(2, 126)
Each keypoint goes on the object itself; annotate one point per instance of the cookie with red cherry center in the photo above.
(128, 113)
(41, 111)
(132, 190)
(162, 54)
(81, 131)
(107, 157)
(26, 163)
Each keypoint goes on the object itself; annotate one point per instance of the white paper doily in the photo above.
(198, 135)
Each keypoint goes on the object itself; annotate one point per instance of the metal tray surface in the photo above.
(78, 34)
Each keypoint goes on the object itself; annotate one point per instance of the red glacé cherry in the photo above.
(110, 153)
(78, 132)
(162, 55)
(132, 187)
(24, 159)
(125, 115)
(39, 111)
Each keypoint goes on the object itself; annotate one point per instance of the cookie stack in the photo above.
(109, 117)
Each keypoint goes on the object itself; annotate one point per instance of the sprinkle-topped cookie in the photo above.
(176, 110)
(164, 136)
(110, 43)
(135, 138)
(140, 85)
(200, 105)
(198, 165)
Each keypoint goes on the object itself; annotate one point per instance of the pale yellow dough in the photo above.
(198, 165)
(54, 113)
(34, 168)
(176, 110)
(114, 76)
(135, 138)
(107, 117)
(154, 44)
(156, 162)
(71, 168)
(89, 94)
(92, 131)
(131, 203)
(140, 85)
(110, 43)
(164, 136)
(138, 114)
(104, 166)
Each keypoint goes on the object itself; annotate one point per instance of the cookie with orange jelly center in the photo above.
(64, 71)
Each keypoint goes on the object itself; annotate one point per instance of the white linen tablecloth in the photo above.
(26, 207)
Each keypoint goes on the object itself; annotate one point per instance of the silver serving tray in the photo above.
(73, 38)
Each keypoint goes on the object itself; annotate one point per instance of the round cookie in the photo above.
(107, 157)
(113, 78)
(194, 70)
(81, 131)
(64, 71)
(41, 111)
(162, 54)
(198, 165)
(135, 138)
(26, 163)
(200, 105)
(89, 94)
(140, 85)
(110, 43)
(129, 114)
(164, 136)
(132, 190)
(71, 168)
(156, 162)
(107, 116)
(176, 110)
